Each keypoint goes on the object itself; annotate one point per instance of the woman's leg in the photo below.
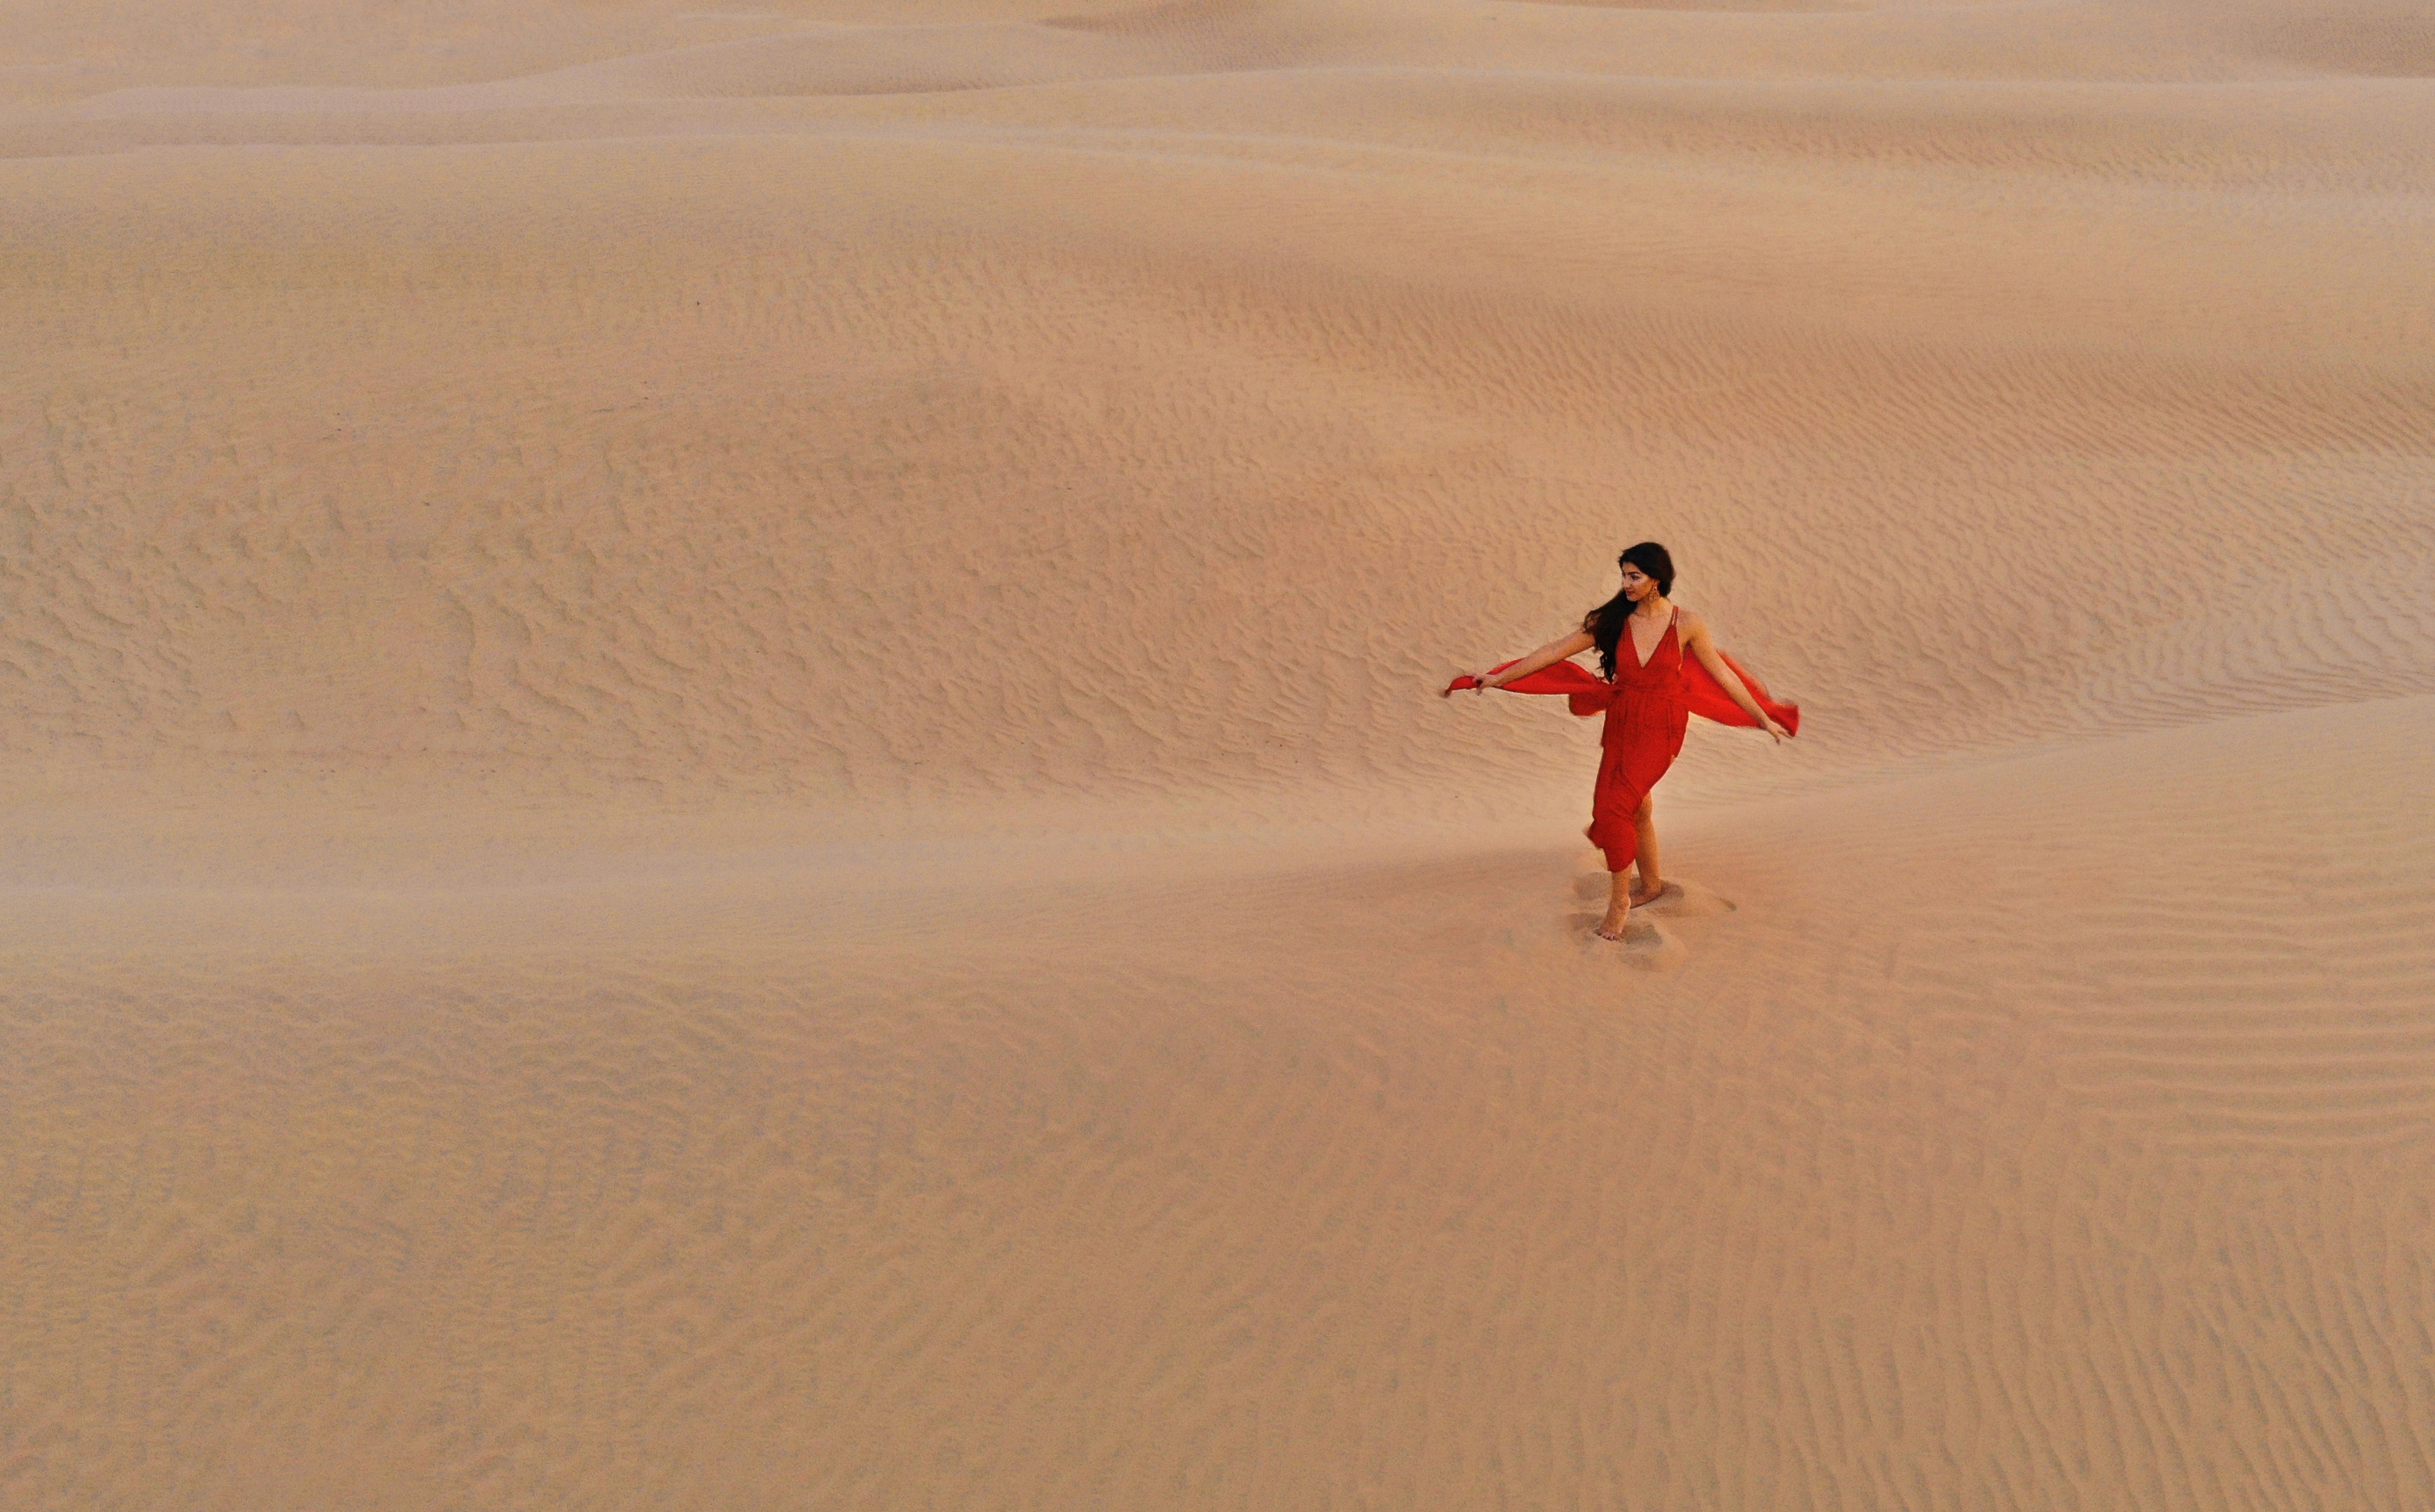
(1619, 905)
(1644, 824)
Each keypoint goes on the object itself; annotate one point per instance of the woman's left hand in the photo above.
(1777, 731)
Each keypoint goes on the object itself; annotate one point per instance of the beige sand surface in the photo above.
(721, 788)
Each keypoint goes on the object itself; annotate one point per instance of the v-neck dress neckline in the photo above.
(1642, 662)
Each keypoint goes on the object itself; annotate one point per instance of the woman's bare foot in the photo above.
(1647, 891)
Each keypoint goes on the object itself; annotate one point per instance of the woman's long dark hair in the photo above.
(1605, 623)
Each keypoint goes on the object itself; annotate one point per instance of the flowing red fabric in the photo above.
(1647, 705)
(1703, 694)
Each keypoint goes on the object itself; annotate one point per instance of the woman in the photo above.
(1652, 688)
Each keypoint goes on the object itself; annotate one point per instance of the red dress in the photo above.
(1647, 710)
(1646, 718)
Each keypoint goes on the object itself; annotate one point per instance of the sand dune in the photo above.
(2047, 1132)
(722, 786)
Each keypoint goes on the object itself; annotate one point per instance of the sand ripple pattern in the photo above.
(849, 436)
(1167, 1181)
(719, 785)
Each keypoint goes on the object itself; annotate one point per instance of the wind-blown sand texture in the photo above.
(721, 788)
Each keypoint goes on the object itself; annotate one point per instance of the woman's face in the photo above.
(1637, 584)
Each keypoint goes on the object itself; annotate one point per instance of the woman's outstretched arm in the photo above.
(1696, 641)
(1547, 656)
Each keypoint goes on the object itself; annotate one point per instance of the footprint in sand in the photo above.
(1646, 943)
(1677, 900)
(1688, 900)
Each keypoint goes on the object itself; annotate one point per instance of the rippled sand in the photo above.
(721, 785)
